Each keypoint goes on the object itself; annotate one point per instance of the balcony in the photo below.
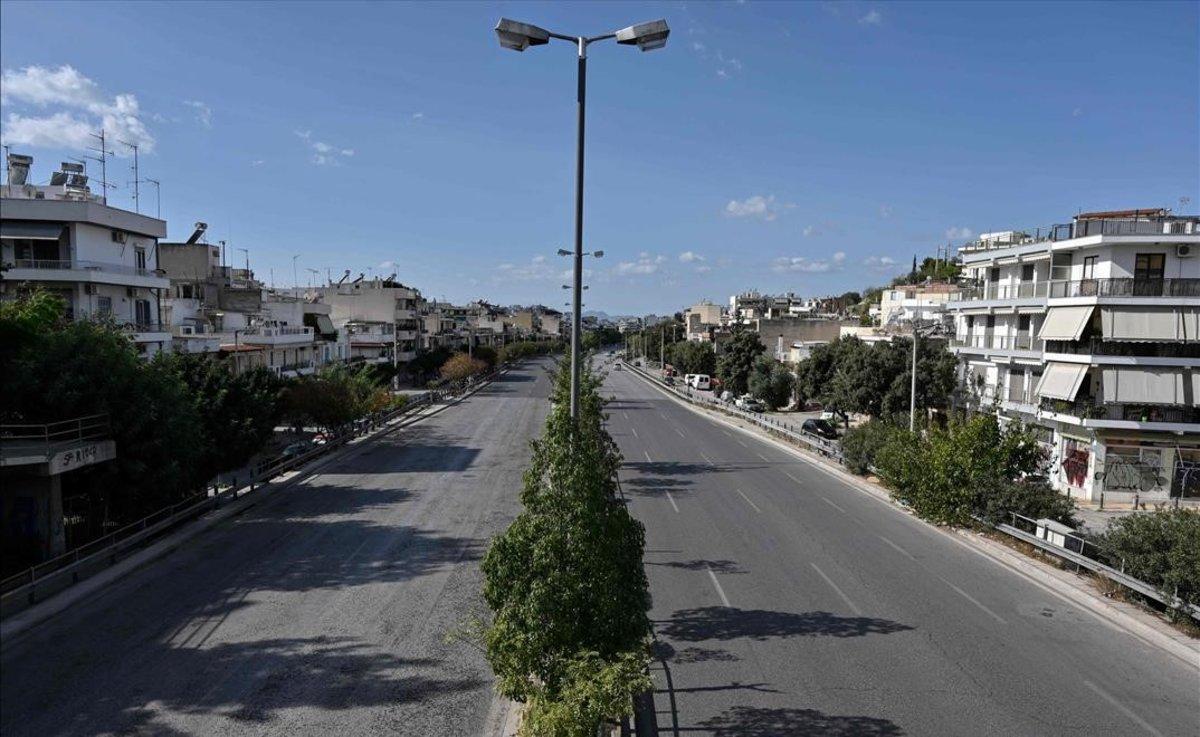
(1115, 227)
(1125, 287)
(283, 335)
(1102, 347)
(74, 270)
(147, 331)
(1024, 342)
(1091, 412)
(1023, 290)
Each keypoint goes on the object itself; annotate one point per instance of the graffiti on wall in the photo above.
(1075, 462)
(1127, 473)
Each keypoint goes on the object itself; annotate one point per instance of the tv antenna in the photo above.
(102, 156)
(246, 252)
(157, 196)
(135, 174)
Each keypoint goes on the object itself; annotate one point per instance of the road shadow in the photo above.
(664, 651)
(716, 566)
(730, 623)
(749, 721)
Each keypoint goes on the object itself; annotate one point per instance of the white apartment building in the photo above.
(926, 303)
(102, 260)
(367, 306)
(1089, 334)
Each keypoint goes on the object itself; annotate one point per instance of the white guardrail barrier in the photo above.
(832, 450)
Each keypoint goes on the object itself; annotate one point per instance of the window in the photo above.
(994, 275)
(1023, 324)
(1148, 274)
(139, 256)
(1089, 267)
(1027, 272)
(141, 311)
(104, 306)
(991, 321)
(184, 291)
(1060, 267)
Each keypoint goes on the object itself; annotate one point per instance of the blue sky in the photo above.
(805, 147)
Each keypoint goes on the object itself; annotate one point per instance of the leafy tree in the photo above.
(460, 367)
(237, 412)
(602, 336)
(737, 359)
(565, 581)
(335, 397)
(427, 363)
(487, 354)
(771, 382)
(1162, 548)
(861, 444)
(693, 357)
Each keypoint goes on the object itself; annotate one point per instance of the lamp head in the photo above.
(520, 36)
(647, 36)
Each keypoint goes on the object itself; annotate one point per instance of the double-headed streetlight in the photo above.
(520, 36)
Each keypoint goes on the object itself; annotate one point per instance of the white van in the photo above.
(701, 382)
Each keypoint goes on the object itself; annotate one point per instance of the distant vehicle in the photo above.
(750, 404)
(833, 415)
(617, 367)
(820, 428)
(701, 382)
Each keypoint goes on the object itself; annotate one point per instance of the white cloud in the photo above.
(756, 206)
(703, 269)
(385, 265)
(645, 264)
(203, 112)
(885, 211)
(809, 230)
(119, 116)
(958, 233)
(698, 47)
(418, 116)
(258, 162)
(688, 257)
(813, 266)
(538, 259)
(873, 18)
(880, 263)
(324, 153)
(536, 269)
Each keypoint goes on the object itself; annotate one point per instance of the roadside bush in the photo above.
(860, 445)
(1027, 497)
(1161, 548)
(460, 366)
(593, 690)
(527, 349)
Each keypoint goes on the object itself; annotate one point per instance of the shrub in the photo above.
(1030, 498)
(861, 444)
(460, 366)
(771, 382)
(1161, 548)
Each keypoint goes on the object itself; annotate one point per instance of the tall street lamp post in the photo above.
(520, 36)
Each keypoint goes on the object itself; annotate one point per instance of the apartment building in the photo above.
(701, 319)
(365, 309)
(102, 260)
(901, 305)
(1088, 333)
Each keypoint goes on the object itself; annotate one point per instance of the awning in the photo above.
(1061, 380)
(1065, 323)
(1145, 385)
(1189, 319)
(325, 325)
(1141, 324)
(31, 230)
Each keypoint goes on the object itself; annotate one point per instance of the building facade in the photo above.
(1088, 334)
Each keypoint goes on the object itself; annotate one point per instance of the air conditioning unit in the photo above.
(187, 330)
(1183, 250)
(119, 236)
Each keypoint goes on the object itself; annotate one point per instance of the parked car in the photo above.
(820, 428)
(834, 415)
(750, 404)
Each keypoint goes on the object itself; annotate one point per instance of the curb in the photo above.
(22, 622)
(1125, 617)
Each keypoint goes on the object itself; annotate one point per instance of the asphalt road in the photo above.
(787, 602)
(320, 611)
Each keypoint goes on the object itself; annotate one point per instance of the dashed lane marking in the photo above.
(854, 608)
(717, 585)
(756, 509)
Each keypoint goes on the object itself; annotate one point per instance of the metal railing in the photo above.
(275, 331)
(1083, 228)
(45, 437)
(1082, 552)
(1022, 290)
(1124, 287)
(1026, 342)
(1098, 346)
(61, 264)
(1089, 408)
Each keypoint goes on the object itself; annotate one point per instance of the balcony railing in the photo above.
(1101, 347)
(270, 332)
(1089, 408)
(146, 327)
(1125, 287)
(65, 264)
(1023, 290)
(53, 434)
(1083, 228)
(1024, 342)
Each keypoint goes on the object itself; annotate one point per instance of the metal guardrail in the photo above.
(786, 430)
(58, 573)
(89, 427)
(1080, 558)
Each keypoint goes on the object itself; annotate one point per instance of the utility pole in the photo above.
(912, 401)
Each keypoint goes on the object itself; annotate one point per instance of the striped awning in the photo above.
(1061, 380)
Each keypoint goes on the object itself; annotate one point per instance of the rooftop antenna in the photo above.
(157, 196)
(246, 251)
(310, 279)
(135, 174)
(102, 156)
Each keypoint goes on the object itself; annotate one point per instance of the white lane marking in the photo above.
(673, 504)
(717, 585)
(835, 506)
(625, 414)
(760, 455)
(660, 414)
(898, 549)
(705, 457)
(756, 509)
(634, 431)
(834, 586)
(647, 454)
(739, 441)
(679, 432)
(975, 601)
(1123, 709)
(790, 476)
